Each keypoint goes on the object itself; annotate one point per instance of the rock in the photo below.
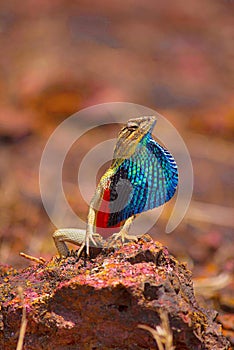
(99, 303)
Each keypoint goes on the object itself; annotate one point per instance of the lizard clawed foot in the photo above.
(93, 240)
(124, 236)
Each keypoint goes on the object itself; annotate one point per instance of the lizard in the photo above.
(143, 175)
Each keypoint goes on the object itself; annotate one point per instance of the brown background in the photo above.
(176, 57)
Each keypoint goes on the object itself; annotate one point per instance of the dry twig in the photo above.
(33, 258)
(208, 287)
(23, 321)
(162, 333)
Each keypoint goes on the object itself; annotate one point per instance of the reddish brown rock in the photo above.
(100, 305)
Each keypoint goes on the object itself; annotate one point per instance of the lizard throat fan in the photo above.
(143, 175)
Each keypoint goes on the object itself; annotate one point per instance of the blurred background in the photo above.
(176, 57)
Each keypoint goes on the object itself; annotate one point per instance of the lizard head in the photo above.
(131, 134)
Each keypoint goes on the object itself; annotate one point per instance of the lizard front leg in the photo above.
(95, 202)
(89, 236)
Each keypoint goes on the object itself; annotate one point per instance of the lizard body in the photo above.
(143, 175)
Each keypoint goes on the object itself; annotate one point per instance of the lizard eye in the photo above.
(131, 126)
